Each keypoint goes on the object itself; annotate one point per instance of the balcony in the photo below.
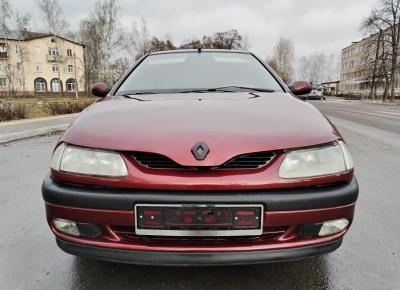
(55, 58)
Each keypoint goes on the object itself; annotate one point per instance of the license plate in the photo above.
(198, 220)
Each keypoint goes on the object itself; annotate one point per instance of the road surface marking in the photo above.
(391, 113)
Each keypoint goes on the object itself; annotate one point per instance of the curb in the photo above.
(32, 132)
(24, 121)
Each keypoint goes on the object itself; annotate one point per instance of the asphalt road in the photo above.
(368, 259)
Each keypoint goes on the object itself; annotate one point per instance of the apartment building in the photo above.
(354, 77)
(40, 64)
(357, 67)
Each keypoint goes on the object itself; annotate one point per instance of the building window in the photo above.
(19, 66)
(2, 66)
(3, 47)
(39, 67)
(70, 68)
(56, 85)
(69, 52)
(40, 85)
(53, 51)
(71, 85)
(3, 82)
(19, 48)
(55, 67)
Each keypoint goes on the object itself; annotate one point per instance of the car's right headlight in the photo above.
(324, 160)
(87, 161)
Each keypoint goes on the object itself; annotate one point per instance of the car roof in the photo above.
(196, 50)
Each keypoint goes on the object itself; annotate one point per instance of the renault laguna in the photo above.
(200, 157)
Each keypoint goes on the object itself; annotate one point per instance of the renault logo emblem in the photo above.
(200, 150)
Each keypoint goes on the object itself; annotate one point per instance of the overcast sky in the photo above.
(313, 25)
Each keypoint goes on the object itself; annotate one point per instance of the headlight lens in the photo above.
(324, 160)
(87, 161)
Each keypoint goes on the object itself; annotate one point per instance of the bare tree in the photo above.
(52, 16)
(191, 44)
(56, 25)
(318, 67)
(103, 36)
(89, 35)
(21, 28)
(138, 39)
(386, 18)
(282, 59)
(112, 36)
(230, 39)
(332, 71)
(246, 44)
(5, 16)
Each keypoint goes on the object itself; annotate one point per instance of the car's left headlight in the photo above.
(328, 159)
(86, 161)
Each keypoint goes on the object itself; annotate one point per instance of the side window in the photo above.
(39, 67)
(55, 68)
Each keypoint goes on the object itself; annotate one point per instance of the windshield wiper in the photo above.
(247, 88)
(228, 89)
(130, 96)
(204, 91)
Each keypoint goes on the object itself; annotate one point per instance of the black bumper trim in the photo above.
(273, 199)
(197, 259)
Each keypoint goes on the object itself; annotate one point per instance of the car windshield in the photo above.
(182, 72)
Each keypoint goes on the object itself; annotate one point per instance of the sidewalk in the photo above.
(20, 129)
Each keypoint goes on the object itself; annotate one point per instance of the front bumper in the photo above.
(197, 259)
(273, 199)
(286, 210)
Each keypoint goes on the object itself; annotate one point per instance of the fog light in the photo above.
(333, 227)
(66, 226)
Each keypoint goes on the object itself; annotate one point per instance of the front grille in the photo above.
(249, 161)
(157, 161)
(245, 161)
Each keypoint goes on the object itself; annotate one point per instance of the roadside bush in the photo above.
(13, 112)
(60, 108)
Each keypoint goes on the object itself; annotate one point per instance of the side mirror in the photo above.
(100, 90)
(300, 88)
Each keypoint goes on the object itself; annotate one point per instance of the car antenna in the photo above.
(199, 49)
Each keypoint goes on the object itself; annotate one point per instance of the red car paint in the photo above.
(289, 238)
(230, 124)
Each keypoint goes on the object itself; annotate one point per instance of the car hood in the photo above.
(229, 123)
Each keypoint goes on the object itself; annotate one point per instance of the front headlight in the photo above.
(318, 161)
(87, 161)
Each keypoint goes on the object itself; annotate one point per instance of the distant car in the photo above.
(200, 157)
(313, 96)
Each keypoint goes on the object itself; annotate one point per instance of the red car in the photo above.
(200, 157)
